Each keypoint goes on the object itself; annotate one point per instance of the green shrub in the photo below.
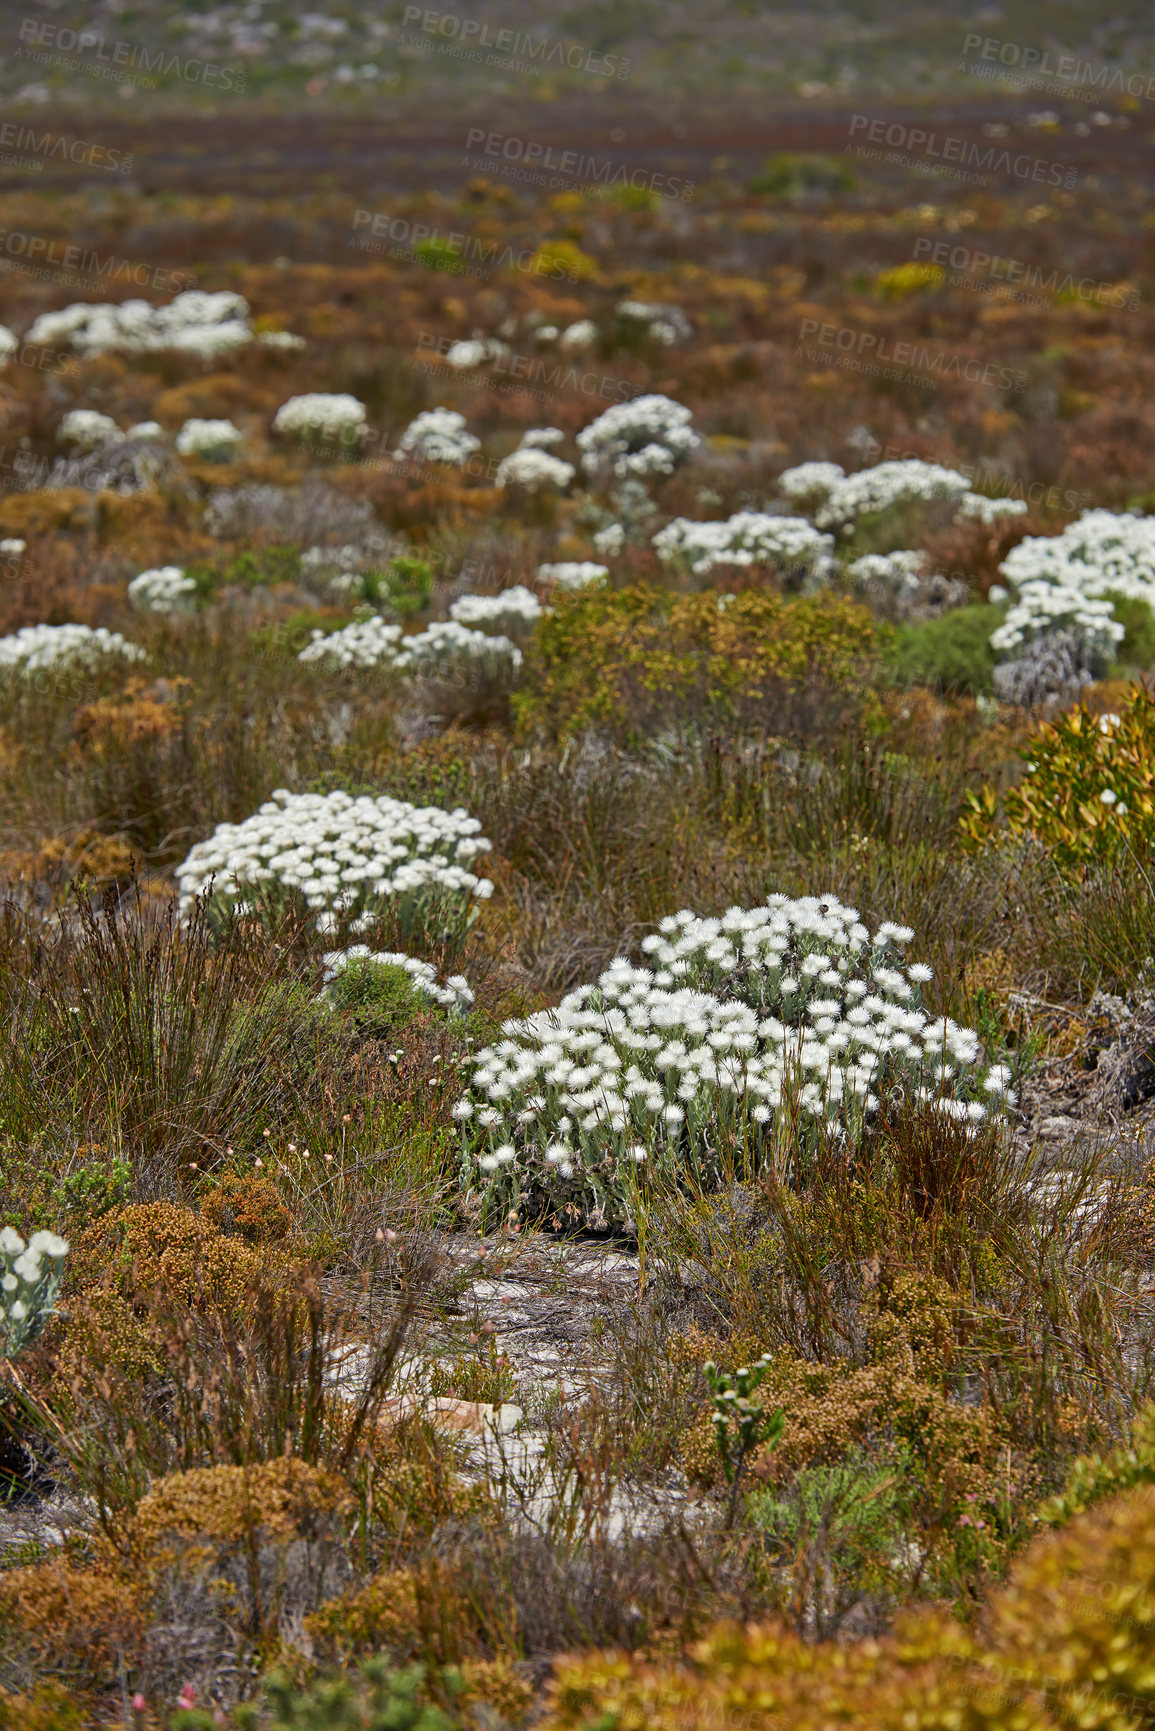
(1138, 646)
(952, 654)
(378, 1699)
(380, 998)
(788, 175)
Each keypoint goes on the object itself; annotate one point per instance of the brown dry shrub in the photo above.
(284, 1498)
(71, 1613)
(242, 1203)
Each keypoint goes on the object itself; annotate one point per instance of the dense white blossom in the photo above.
(197, 438)
(810, 483)
(197, 322)
(649, 436)
(610, 541)
(1045, 608)
(163, 590)
(747, 538)
(900, 572)
(333, 414)
(661, 322)
(538, 438)
(438, 436)
(977, 508)
(1102, 553)
(792, 1010)
(534, 470)
(448, 650)
(87, 429)
(30, 1276)
(886, 484)
(365, 643)
(474, 352)
(579, 336)
(515, 609)
(345, 856)
(43, 648)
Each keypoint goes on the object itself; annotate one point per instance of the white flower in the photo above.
(40, 648)
(886, 484)
(87, 429)
(809, 483)
(164, 590)
(200, 323)
(145, 430)
(463, 356)
(1108, 796)
(660, 321)
(438, 436)
(581, 335)
(534, 470)
(365, 643)
(335, 415)
(748, 538)
(610, 540)
(979, 509)
(1045, 608)
(12, 544)
(517, 608)
(649, 436)
(198, 438)
(538, 438)
(1102, 553)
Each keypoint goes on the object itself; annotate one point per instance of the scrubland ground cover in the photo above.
(576, 964)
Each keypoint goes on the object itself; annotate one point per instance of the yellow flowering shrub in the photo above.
(1088, 787)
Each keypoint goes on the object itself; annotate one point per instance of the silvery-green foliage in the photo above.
(749, 1036)
(30, 1276)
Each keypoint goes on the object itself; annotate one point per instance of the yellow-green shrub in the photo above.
(634, 660)
(1069, 764)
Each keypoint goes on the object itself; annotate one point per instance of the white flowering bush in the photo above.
(163, 590)
(365, 643)
(146, 430)
(9, 343)
(1044, 610)
(454, 995)
(574, 574)
(534, 469)
(886, 484)
(651, 435)
(977, 508)
(1103, 552)
(810, 483)
(212, 439)
(540, 438)
(449, 653)
(748, 538)
(30, 1276)
(748, 1037)
(345, 858)
(898, 573)
(438, 436)
(474, 352)
(578, 337)
(55, 648)
(655, 320)
(516, 609)
(331, 414)
(196, 322)
(87, 429)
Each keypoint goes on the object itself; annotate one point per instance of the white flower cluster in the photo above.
(747, 538)
(87, 429)
(1102, 553)
(164, 590)
(768, 1020)
(610, 541)
(30, 1276)
(977, 508)
(195, 321)
(648, 436)
(534, 469)
(899, 572)
(810, 483)
(886, 484)
(474, 352)
(448, 650)
(8, 342)
(455, 995)
(204, 438)
(333, 414)
(1045, 609)
(438, 436)
(579, 336)
(345, 856)
(48, 648)
(365, 643)
(660, 322)
(516, 609)
(574, 574)
(538, 438)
